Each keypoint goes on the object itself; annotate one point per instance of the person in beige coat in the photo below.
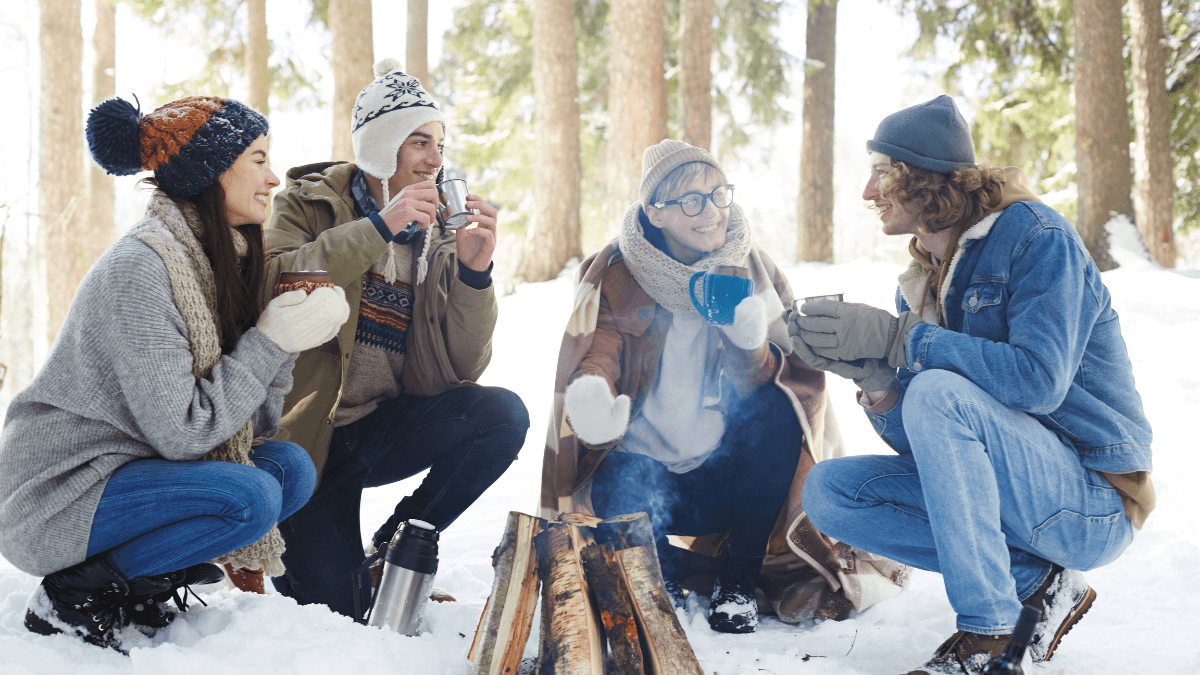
(395, 393)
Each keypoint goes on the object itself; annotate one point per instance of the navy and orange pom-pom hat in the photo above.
(187, 143)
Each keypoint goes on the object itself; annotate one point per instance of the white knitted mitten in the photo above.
(595, 416)
(297, 321)
(749, 328)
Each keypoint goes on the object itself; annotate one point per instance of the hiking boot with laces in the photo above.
(1063, 598)
(86, 599)
(964, 653)
(147, 604)
(734, 607)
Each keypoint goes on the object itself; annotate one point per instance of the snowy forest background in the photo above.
(1098, 101)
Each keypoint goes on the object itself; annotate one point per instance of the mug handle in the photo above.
(692, 292)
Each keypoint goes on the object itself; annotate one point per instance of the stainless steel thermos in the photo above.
(408, 569)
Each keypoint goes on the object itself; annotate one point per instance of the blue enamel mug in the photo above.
(716, 295)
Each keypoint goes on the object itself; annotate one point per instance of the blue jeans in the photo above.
(157, 516)
(466, 437)
(988, 497)
(740, 487)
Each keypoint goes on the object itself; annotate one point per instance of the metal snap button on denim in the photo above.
(973, 301)
(916, 366)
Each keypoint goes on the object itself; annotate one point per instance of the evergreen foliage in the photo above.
(485, 85)
(1018, 53)
(218, 28)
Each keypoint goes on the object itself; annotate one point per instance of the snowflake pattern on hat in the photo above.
(404, 87)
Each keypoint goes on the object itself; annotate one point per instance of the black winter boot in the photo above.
(86, 599)
(734, 607)
(147, 603)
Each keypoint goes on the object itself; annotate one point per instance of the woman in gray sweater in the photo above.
(165, 363)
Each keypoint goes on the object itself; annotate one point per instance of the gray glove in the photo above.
(847, 331)
(868, 374)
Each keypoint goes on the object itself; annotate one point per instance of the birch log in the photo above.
(616, 608)
(508, 616)
(664, 643)
(570, 642)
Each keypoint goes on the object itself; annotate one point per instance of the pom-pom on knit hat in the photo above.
(187, 143)
(386, 112)
(931, 136)
(664, 157)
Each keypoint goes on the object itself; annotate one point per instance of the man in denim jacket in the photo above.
(1023, 454)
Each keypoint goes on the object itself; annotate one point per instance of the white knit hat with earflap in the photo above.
(387, 112)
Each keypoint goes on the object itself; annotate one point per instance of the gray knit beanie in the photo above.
(666, 156)
(931, 136)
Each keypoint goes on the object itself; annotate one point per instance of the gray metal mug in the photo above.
(453, 212)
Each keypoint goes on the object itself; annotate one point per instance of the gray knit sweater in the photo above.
(118, 386)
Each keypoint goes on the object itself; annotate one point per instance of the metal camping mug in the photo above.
(797, 304)
(453, 212)
(408, 569)
(716, 295)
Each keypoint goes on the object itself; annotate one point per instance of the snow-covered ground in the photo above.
(1140, 623)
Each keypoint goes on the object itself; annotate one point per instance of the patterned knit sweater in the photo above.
(118, 386)
(380, 341)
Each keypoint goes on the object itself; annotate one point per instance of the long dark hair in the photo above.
(236, 281)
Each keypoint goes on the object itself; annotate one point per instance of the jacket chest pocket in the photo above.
(983, 311)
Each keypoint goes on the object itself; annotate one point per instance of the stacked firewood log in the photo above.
(604, 606)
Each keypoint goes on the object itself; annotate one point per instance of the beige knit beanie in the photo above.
(666, 156)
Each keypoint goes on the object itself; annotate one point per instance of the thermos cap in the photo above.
(414, 547)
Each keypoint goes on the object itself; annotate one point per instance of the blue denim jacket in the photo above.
(1029, 320)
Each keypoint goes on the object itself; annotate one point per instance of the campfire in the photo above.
(603, 600)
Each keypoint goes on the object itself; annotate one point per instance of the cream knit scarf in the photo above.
(665, 278)
(169, 231)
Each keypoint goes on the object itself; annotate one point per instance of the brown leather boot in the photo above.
(1063, 598)
(963, 654)
(250, 581)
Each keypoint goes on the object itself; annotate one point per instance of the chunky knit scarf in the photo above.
(170, 232)
(665, 278)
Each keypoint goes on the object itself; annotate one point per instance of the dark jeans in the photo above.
(741, 486)
(466, 437)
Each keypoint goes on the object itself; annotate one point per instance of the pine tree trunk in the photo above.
(695, 72)
(258, 50)
(637, 103)
(101, 189)
(349, 22)
(553, 236)
(61, 175)
(815, 209)
(1154, 190)
(1101, 124)
(416, 45)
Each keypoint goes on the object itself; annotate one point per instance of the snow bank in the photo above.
(1142, 621)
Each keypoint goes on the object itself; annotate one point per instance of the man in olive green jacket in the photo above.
(394, 394)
